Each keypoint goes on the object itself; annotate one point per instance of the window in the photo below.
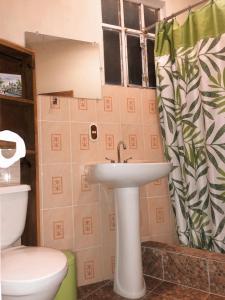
(128, 51)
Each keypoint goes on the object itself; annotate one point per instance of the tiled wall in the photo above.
(79, 216)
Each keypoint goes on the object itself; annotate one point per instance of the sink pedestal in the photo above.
(128, 278)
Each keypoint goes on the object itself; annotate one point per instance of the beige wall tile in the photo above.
(156, 188)
(54, 108)
(81, 216)
(108, 217)
(87, 221)
(56, 142)
(149, 106)
(132, 135)
(108, 255)
(56, 182)
(83, 110)
(144, 220)
(159, 215)
(89, 266)
(108, 109)
(83, 149)
(131, 111)
(110, 135)
(153, 149)
(58, 228)
(83, 191)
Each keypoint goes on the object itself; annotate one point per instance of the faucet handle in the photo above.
(111, 160)
(126, 160)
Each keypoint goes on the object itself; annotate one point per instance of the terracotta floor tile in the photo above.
(171, 291)
(215, 297)
(85, 290)
(152, 283)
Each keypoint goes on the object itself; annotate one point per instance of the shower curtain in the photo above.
(190, 70)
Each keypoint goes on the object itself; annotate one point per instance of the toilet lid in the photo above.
(31, 263)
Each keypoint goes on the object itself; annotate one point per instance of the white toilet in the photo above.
(27, 273)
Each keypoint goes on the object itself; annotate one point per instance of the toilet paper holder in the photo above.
(11, 139)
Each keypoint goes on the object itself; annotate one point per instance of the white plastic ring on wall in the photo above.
(9, 136)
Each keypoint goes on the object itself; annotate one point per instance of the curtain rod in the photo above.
(176, 14)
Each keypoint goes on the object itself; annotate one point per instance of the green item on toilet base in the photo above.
(68, 288)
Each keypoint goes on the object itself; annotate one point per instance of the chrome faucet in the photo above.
(118, 149)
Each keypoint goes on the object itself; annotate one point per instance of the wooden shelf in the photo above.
(7, 145)
(30, 152)
(16, 99)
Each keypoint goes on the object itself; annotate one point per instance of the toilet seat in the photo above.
(22, 266)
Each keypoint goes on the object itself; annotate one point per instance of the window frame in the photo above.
(142, 36)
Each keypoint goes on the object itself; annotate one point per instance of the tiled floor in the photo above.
(156, 290)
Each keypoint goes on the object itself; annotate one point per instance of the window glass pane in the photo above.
(131, 15)
(112, 56)
(151, 63)
(110, 12)
(151, 16)
(134, 60)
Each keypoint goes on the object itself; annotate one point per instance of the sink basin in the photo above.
(125, 178)
(120, 175)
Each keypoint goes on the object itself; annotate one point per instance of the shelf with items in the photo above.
(18, 114)
(16, 99)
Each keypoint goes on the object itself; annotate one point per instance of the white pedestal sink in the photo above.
(126, 178)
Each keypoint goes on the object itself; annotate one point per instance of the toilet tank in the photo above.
(13, 210)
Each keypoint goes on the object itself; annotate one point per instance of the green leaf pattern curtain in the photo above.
(190, 69)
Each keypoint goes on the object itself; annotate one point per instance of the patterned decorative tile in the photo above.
(89, 266)
(87, 226)
(108, 105)
(132, 135)
(83, 110)
(154, 141)
(160, 217)
(131, 105)
(152, 106)
(57, 225)
(83, 191)
(186, 270)
(113, 263)
(152, 262)
(112, 222)
(84, 142)
(58, 230)
(83, 150)
(109, 142)
(57, 185)
(82, 104)
(217, 277)
(56, 142)
(85, 186)
(133, 141)
(108, 109)
(144, 220)
(89, 270)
